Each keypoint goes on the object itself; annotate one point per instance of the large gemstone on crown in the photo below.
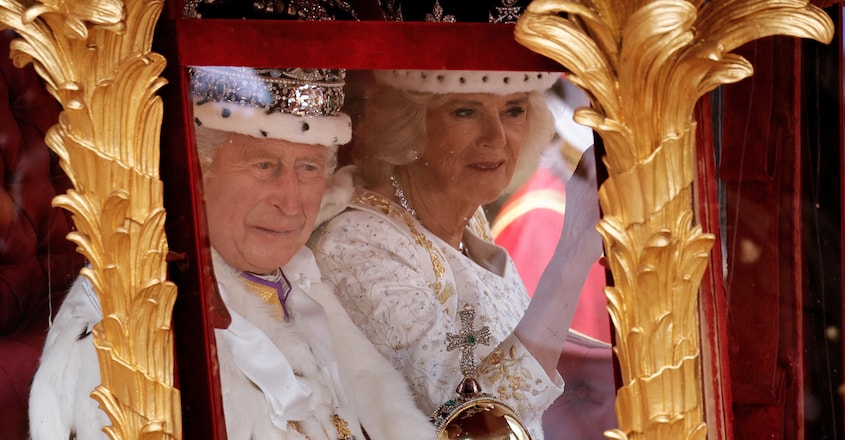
(306, 100)
(309, 100)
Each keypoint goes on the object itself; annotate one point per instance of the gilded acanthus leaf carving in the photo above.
(644, 65)
(95, 58)
(77, 14)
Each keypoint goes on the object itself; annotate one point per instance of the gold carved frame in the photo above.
(644, 64)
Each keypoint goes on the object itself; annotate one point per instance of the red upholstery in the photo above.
(35, 256)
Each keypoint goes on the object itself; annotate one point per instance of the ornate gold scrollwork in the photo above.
(95, 58)
(645, 64)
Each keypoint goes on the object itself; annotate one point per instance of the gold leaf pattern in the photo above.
(644, 66)
(388, 208)
(95, 58)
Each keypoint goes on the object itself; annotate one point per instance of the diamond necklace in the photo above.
(400, 194)
(403, 201)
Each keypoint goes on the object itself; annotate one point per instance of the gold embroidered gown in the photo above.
(404, 287)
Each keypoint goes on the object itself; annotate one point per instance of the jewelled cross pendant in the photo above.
(467, 340)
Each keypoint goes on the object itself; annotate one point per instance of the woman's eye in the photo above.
(463, 112)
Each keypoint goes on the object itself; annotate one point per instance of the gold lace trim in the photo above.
(266, 293)
(481, 226)
(389, 208)
(341, 426)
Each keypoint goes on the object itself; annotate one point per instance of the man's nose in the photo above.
(286, 194)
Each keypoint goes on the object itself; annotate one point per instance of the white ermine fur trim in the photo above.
(60, 401)
(378, 392)
(466, 81)
(338, 194)
(314, 130)
(244, 404)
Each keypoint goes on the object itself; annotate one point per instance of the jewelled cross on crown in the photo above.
(467, 340)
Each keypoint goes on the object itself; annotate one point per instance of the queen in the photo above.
(412, 247)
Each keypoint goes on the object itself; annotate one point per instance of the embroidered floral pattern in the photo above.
(514, 383)
(387, 207)
(509, 12)
(342, 428)
(383, 266)
(437, 15)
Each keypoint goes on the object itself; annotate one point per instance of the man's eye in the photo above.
(265, 165)
(307, 170)
(515, 111)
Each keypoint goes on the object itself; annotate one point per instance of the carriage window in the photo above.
(524, 204)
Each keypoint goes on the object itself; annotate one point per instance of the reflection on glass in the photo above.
(431, 149)
(527, 221)
(430, 153)
(290, 362)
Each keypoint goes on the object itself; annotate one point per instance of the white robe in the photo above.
(347, 377)
(404, 287)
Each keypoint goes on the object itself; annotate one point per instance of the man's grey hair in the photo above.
(209, 140)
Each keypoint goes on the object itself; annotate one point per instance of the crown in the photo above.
(300, 92)
(466, 81)
(299, 105)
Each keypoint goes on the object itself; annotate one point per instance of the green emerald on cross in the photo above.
(467, 339)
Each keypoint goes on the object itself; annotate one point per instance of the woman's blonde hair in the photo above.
(393, 132)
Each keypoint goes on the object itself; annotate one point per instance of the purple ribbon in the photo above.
(282, 287)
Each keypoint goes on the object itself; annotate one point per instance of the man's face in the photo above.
(262, 197)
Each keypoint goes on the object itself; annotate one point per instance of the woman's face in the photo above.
(262, 197)
(474, 141)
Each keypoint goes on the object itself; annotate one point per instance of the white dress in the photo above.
(313, 376)
(404, 287)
